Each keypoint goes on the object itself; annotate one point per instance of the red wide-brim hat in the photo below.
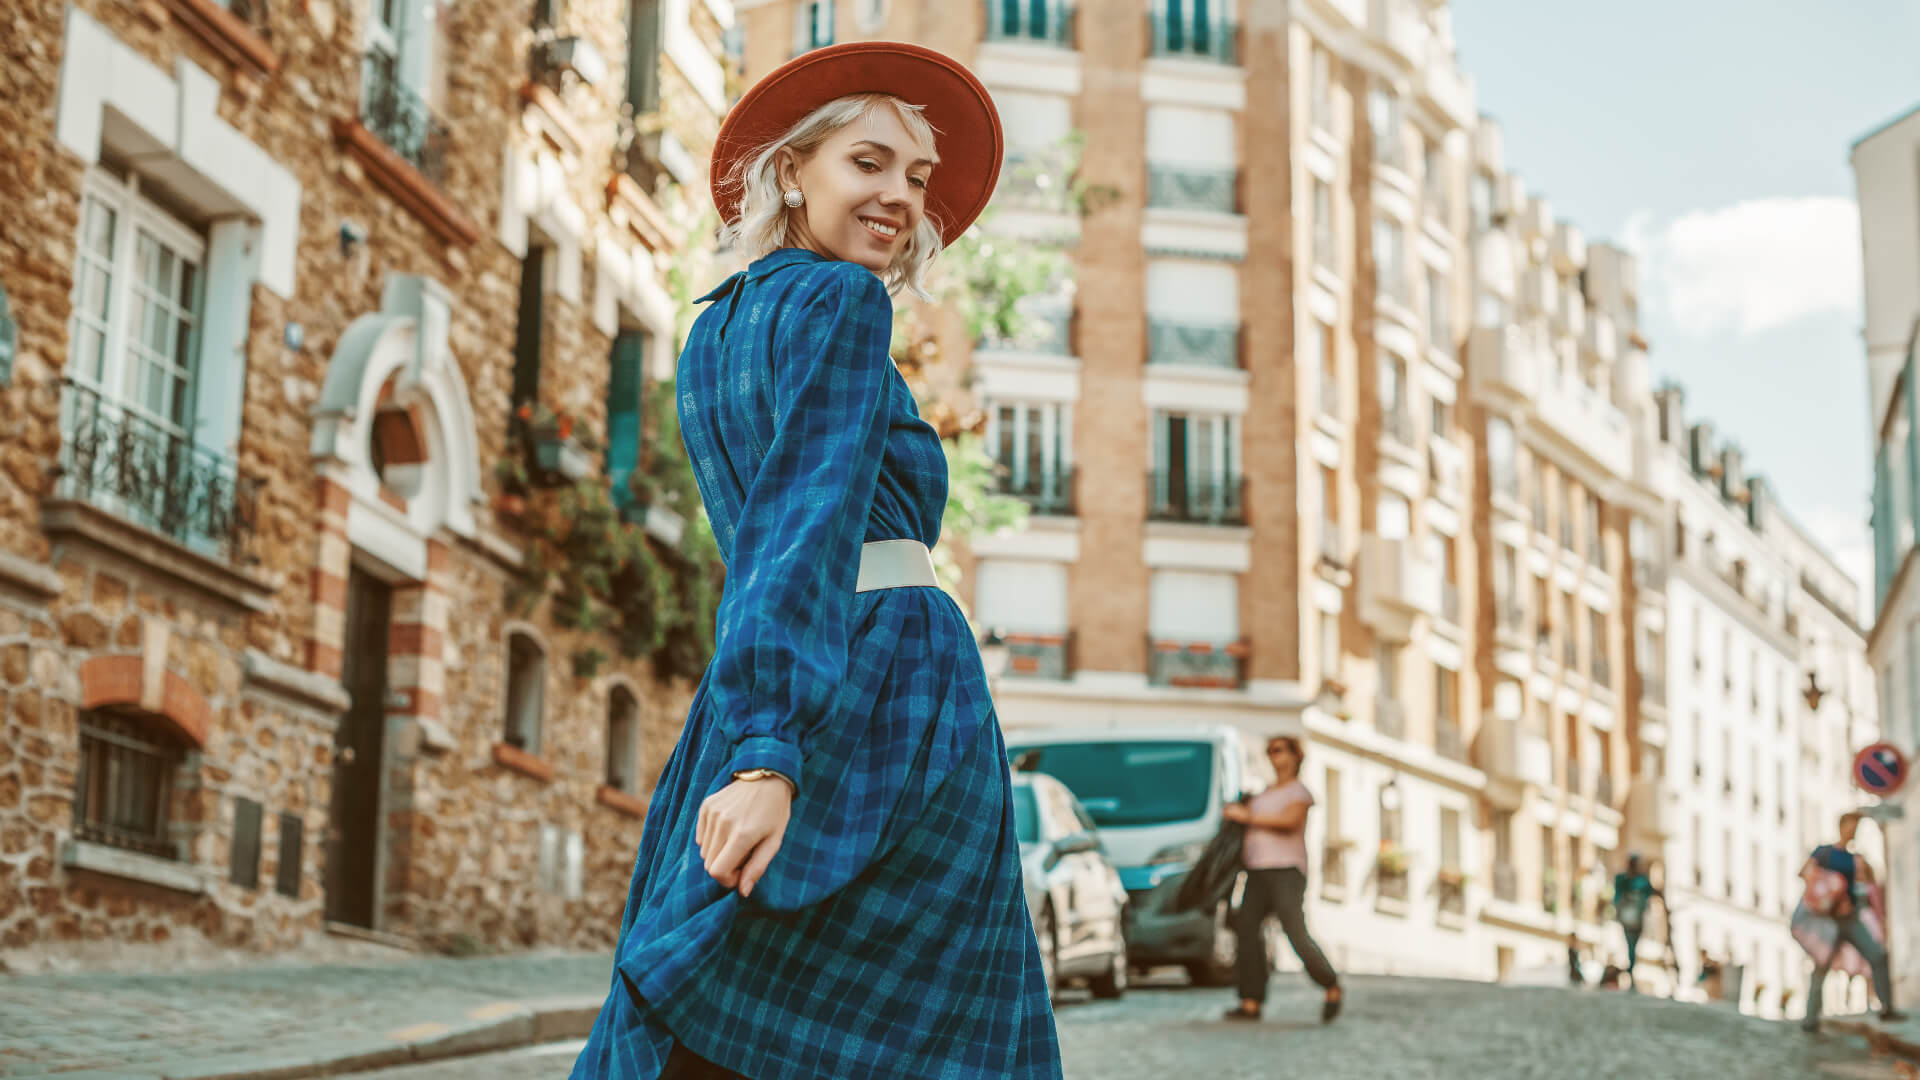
(953, 101)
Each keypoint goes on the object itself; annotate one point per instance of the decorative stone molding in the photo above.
(37, 580)
(225, 33)
(550, 119)
(626, 803)
(420, 196)
(143, 682)
(518, 760)
(167, 557)
(303, 688)
(134, 866)
(534, 194)
(110, 95)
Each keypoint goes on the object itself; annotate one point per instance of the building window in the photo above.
(1393, 516)
(1596, 550)
(1569, 498)
(1440, 417)
(1538, 479)
(1383, 116)
(1329, 514)
(526, 691)
(1396, 417)
(1329, 646)
(812, 25)
(530, 329)
(1321, 357)
(1389, 258)
(1438, 204)
(1324, 251)
(404, 80)
(1449, 839)
(1480, 200)
(1439, 312)
(1196, 473)
(1390, 816)
(1320, 91)
(1386, 658)
(644, 31)
(137, 295)
(1597, 647)
(1029, 442)
(626, 394)
(1502, 467)
(123, 792)
(623, 740)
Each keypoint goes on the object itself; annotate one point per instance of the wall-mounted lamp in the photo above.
(352, 235)
(1812, 691)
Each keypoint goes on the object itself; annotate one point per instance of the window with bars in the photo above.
(123, 790)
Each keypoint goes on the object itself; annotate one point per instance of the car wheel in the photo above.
(1218, 968)
(1049, 948)
(1113, 983)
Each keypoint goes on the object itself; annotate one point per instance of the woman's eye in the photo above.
(918, 181)
(867, 164)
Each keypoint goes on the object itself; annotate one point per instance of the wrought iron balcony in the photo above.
(1602, 670)
(1047, 492)
(1198, 499)
(1038, 22)
(1603, 789)
(1035, 180)
(399, 117)
(1398, 425)
(1048, 332)
(1449, 742)
(1174, 35)
(1189, 187)
(1199, 664)
(1195, 344)
(136, 469)
(1453, 892)
(1393, 883)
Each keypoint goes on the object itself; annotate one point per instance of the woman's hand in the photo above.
(1238, 813)
(740, 830)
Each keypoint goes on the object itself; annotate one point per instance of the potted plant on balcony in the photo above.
(1452, 877)
(1392, 859)
(545, 449)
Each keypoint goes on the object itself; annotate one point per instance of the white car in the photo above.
(1076, 899)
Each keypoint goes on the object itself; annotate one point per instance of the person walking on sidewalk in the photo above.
(1633, 892)
(1275, 852)
(829, 883)
(1838, 887)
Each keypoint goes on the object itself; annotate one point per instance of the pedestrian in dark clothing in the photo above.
(1575, 976)
(1843, 905)
(1275, 853)
(1633, 891)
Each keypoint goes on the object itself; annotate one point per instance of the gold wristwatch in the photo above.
(751, 775)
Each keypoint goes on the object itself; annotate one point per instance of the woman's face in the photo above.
(866, 191)
(1285, 763)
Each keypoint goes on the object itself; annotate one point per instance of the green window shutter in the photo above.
(626, 383)
(643, 55)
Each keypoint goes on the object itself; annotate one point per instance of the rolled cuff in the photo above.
(767, 752)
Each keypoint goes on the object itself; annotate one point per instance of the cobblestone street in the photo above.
(1406, 1029)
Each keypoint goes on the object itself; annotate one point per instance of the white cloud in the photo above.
(1752, 266)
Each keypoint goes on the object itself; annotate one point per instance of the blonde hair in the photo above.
(762, 223)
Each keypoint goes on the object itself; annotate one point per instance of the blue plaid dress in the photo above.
(890, 936)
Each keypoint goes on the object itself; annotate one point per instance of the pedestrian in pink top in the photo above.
(1275, 853)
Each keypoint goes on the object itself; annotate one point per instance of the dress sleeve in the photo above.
(781, 649)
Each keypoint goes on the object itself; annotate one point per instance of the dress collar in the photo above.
(764, 265)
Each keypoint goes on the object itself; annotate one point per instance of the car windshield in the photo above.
(1129, 783)
(1026, 815)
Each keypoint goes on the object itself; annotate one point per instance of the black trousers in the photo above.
(1282, 893)
(684, 1064)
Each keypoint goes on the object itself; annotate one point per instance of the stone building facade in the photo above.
(290, 272)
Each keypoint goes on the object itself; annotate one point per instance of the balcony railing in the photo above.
(1048, 332)
(1653, 686)
(1393, 884)
(1194, 344)
(1389, 717)
(1174, 35)
(1203, 499)
(1048, 492)
(1648, 574)
(1506, 883)
(1036, 179)
(1603, 789)
(1199, 664)
(1449, 742)
(1187, 187)
(1039, 656)
(1453, 896)
(1041, 22)
(399, 117)
(136, 469)
(1602, 670)
(1510, 616)
(1570, 653)
(1397, 424)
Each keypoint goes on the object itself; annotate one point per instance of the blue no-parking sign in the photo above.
(1879, 769)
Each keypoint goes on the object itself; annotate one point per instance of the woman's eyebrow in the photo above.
(888, 150)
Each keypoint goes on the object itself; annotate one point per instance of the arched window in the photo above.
(526, 691)
(623, 740)
(123, 793)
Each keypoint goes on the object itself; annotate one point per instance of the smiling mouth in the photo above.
(881, 228)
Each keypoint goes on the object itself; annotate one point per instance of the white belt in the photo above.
(894, 564)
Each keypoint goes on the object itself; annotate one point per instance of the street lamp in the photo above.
(993, 654)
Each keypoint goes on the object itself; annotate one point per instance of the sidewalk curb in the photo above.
(509, 1025)
(1882, 1040)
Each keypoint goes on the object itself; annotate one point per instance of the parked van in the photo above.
(1156, 793)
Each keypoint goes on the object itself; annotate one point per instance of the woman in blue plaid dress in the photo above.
(829, 883)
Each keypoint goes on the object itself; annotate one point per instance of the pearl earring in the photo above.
(794, 198)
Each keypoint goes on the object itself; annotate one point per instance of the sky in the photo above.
(1712, 137)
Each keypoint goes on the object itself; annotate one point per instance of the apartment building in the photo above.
(1763, 662)
(281, 278)
(1889, 196)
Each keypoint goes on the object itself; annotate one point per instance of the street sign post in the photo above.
(1879, 769)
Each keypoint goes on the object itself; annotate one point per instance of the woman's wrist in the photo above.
(755, 775)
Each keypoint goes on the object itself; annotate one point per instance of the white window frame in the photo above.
(1055, 435)
(117, 381)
